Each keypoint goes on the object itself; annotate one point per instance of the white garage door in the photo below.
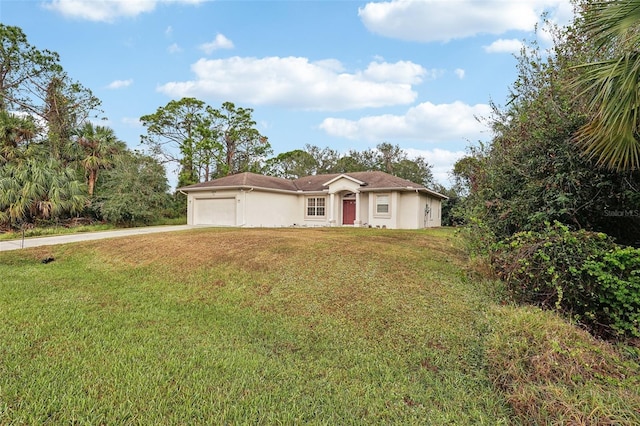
(214, 211)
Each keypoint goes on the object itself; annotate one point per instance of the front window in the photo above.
(316, 206)
(382, 204)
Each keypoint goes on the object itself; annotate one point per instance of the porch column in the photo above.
(332, 220)
(358, 221)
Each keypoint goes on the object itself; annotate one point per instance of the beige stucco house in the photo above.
(371, 199)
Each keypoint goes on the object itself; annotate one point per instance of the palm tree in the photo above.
(15, 131)
(38, 186)
(98, 148)
(612, 85)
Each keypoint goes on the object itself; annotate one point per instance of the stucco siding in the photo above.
(388, 219)
(364, 209)
(410, 211)
(267, 209)
(434, 217)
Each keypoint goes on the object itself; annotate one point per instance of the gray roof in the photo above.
(373, 180)
(247, 179)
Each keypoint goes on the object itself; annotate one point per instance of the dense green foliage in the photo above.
(534, 172)
(617, 274)
(385, 157)
(583, 274)
(205, 142)
(134, 192)
(36, 186)
(55, 164)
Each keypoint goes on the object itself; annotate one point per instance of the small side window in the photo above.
(382, 205)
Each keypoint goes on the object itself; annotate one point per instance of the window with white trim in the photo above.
(316, 206)
(382, 205)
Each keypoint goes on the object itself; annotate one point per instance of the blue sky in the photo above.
(338, 74)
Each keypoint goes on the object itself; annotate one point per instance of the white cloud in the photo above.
(220, 42)
(459, 72)
(455, 122)
(295, 82)
(402, 72)
(442, 161)
(504, 46)
(118, 84)
(174, 48)
(438, 20)
(107, 10)
(169, 31)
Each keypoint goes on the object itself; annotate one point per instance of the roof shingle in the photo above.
(373, 180)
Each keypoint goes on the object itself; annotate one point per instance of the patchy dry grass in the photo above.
(264, 326)
(555, 373)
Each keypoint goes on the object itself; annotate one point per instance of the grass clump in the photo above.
(554, 373)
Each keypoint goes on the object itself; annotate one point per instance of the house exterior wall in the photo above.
(256, 208)
(383, 220)
(434, 217)
(364, 209)
(411, 214)
(251, 208)
(268, 209)
(419, 211)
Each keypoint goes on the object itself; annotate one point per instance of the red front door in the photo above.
(348, 212)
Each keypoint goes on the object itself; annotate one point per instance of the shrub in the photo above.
(584, 275)
(477, 237)
(617, 273)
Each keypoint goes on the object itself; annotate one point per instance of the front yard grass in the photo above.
(285, 326)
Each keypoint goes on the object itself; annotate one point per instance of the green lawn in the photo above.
(289, 326)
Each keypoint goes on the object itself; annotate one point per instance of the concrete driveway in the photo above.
(72, 238)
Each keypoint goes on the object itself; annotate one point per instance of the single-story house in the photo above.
(369, 199)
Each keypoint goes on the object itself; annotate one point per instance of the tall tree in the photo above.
(385, 157)
(389, 156)
(326, 159)
(243, 145)
(416, 170)
(612, 134)
(292, 165)
(34, 83)
(390, 159)
(180, 133)
(97, 148)
(23, 69)
(60, 117)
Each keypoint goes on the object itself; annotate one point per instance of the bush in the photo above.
(584, 275)
(618, 276)
(478, 237)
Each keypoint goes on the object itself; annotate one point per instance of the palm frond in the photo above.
(612, 85)
(606, 21)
